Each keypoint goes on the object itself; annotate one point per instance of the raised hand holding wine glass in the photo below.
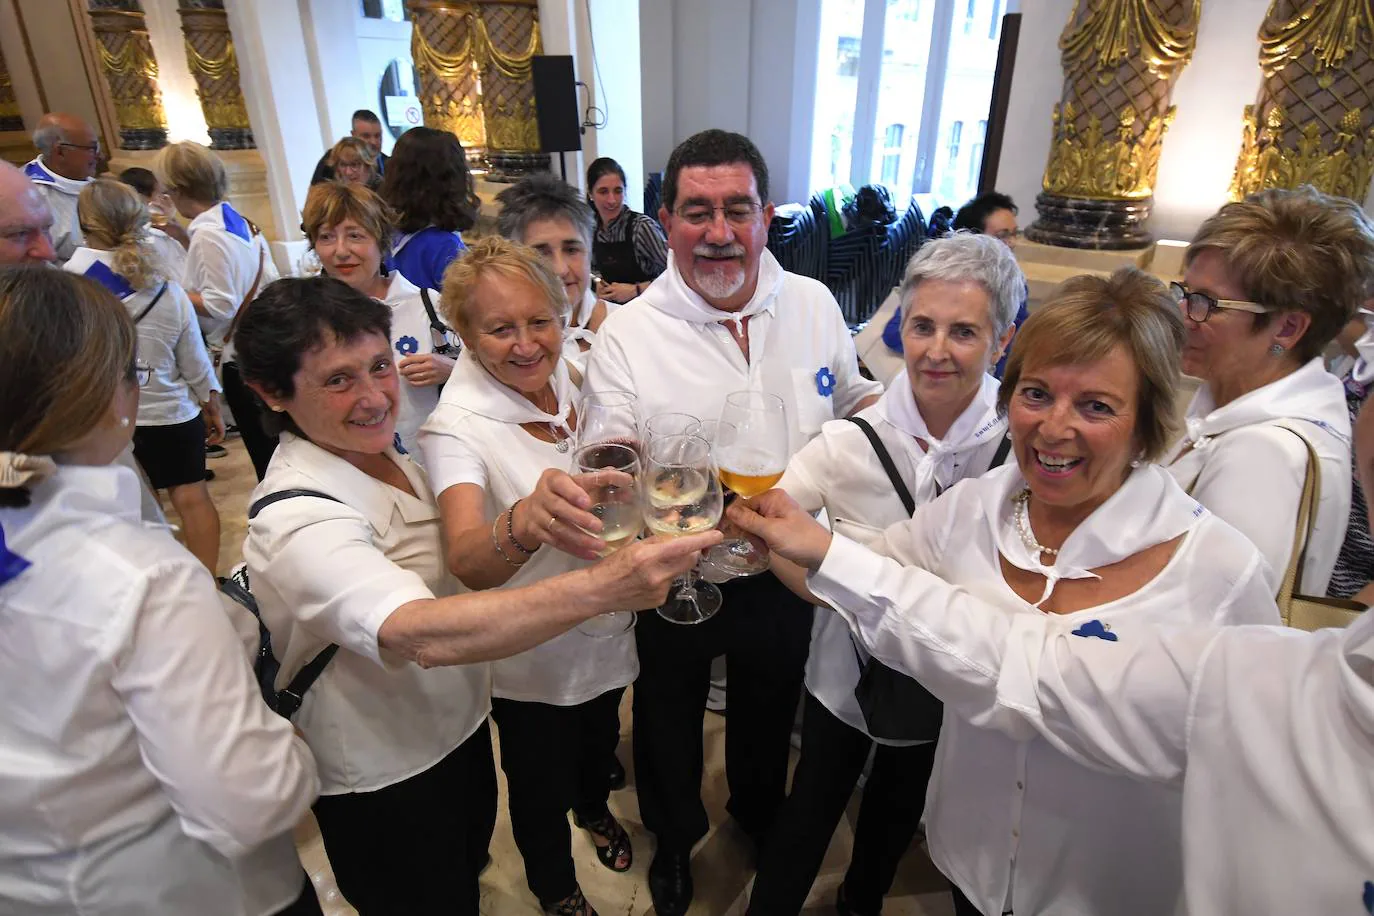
(683, 496)
(751, 454)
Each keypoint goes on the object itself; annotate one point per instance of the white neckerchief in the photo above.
(1148, 508)
(979, 423)
(577, 320)
(1363, 372)
(1310, 394)
(480, 393)
(39, 173)
(218, 217)
(671, 294)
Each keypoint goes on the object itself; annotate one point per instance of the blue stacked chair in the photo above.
(798, 240)
(653, 194)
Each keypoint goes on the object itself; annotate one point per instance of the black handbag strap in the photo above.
(149, 307)
(1003, 448)
(434, 321)
(885, 459)
(290, 697)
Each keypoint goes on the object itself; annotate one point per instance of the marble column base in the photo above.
(142, 138)
(1103, 225)
(512, 165)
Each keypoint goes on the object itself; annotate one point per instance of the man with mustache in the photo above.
(723, 317)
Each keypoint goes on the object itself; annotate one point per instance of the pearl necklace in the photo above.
(1023, 528)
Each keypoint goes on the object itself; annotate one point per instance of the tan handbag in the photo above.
(1308, 612)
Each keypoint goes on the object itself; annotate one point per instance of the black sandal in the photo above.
(608, 828)
(573, 905)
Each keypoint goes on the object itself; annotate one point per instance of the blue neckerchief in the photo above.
(34, 171)
(235, 224)
(102, 274)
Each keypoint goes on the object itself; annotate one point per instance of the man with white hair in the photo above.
(68, 154)
(25, 220)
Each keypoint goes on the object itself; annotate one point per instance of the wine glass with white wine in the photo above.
(682, 496)
(750, 450)
(612, 481)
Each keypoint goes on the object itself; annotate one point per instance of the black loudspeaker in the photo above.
(555, 103)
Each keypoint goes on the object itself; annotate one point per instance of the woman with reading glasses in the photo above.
(1270, 281)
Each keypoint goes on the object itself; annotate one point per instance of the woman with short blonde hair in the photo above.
(178, 411)
(1270, 281)
(495, 447)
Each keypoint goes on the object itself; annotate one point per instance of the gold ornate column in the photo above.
(473, 57)
(210, 53)
(1120, 59)
(1313, 122)
(10, 119)
(130, 70)
(441, 46)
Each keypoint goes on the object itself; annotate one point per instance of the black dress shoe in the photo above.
(670, 882)
(617, 774)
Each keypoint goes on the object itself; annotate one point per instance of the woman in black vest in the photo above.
(629, 249)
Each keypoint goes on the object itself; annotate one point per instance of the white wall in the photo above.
(614, 32)
(1200, 148)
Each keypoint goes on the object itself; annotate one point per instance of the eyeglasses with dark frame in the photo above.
(1200, 306)
(93, 149)
(739, 213)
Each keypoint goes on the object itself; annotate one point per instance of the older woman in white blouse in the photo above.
(550, 216)
(1086, 533)
(141, 772)
(1271, 280)
(504, 422)
(350, 228)
(408, 786)
(939, 423)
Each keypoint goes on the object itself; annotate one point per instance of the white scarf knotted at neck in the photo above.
(1148, 508)
(671, 294)
(482, 394)
(978, 424)
(1310, 394)
(578, 318)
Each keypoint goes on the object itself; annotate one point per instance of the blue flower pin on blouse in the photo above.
(11, 564)
(825, 382)
(407, 346)
(1095, 629)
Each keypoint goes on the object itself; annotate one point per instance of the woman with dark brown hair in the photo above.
(428, 184)
(141, 767)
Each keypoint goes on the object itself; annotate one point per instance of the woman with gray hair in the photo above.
(548, 215)
(937, 423)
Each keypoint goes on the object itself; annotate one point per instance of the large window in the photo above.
(902, 95)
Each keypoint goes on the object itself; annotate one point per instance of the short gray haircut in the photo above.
(47, 137)
(539, 197)
(970, 256)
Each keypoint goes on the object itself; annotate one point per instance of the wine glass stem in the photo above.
(686, 586)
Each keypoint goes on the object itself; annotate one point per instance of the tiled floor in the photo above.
(719, 865)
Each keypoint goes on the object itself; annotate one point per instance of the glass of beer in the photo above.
(751, 453)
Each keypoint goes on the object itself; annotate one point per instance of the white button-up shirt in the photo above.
(137, 751)
(475, 437)
(61, 193)
(1266, 731)
(169, 342)
(838, 471)
(1011, 820)
(327, 572)
(1245, 463)
(672, 350)
(221, 263)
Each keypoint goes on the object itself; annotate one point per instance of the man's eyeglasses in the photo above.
(93, 149)
(1200, 306)
(1006, 235)
(736, 214)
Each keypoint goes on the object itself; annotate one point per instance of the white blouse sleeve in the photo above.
(807, 471)
(235, 773)
(208, 272)
(1119, 705)
(193, 360)
(449, 458)
(1253, 479)
(320, 559)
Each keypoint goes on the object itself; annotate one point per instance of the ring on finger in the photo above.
(552, 519)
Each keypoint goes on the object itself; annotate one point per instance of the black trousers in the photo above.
(248, 417)
(764, 631)
(555, 758)
(416, 846)
(832, 758)
(962, 905)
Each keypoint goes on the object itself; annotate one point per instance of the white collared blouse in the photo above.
(139, 762)
(1012, 821)
(412, 334)
(332, 572)
(1245, 463)
(221, 264)
(1265, 730)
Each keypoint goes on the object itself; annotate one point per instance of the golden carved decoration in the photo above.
(10, 118)
(474, 60)
(1120, 60)
(130, 70)
(1313, 122)
(214, 64)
